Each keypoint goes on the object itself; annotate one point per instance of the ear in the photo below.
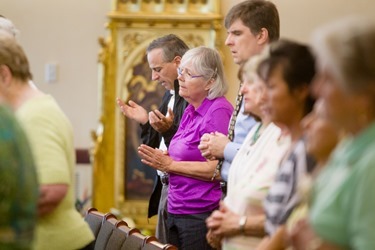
(209, 84)
(5, 75)
(302, 92)
(177, 60)
(262, 37)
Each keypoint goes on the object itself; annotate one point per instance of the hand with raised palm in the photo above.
(133, 111)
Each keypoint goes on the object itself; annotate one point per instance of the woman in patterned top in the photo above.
(288, 72)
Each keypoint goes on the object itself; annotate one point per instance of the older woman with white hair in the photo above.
(343, 205)
(192, 195)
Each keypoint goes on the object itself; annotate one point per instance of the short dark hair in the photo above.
(172, 46)
(256, 14)
(297, 62)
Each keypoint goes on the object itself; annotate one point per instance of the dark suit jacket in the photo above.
(152, 138)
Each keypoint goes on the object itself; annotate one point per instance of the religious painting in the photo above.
(148, 94)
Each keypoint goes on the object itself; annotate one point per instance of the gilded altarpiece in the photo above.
(120, 180)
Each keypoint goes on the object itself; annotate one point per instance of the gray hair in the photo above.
(13, 56)
(207, 62)
(171, 45)
(8, 26)
(346, 48)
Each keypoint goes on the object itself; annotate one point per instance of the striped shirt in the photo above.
(283, 197)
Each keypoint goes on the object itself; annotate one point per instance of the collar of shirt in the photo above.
(202, 109)
(355, 147)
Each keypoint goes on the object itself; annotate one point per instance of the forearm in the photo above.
(46, 209)
(230, 224)
(50, 197)
(277, 240)
(263, 245)
(195, 169)
(255, 226)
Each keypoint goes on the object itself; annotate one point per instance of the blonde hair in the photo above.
(250, 67)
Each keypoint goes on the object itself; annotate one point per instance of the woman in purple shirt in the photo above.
(191, 200)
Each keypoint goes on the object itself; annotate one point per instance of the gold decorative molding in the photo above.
(124, 73)
(132, 41)
(167, 6)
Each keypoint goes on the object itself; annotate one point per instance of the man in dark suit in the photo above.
(159, 126)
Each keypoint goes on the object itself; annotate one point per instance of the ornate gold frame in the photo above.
(133, 25)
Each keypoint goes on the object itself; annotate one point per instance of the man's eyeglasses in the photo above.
(186, 74)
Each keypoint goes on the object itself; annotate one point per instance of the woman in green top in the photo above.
(18, 186)
(343, 202)
(60, 226)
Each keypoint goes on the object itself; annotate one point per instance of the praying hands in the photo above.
(155, 158)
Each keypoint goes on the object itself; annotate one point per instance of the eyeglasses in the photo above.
(186, 74)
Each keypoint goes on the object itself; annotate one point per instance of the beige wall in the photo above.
(66, 32)
(298, 18)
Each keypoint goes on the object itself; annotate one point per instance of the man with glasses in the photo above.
(159, 126)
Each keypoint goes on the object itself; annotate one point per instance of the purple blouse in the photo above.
(189, 195)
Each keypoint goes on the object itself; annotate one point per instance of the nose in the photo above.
(180, 77)
(154, 75)
(244, 89)
(228, 40)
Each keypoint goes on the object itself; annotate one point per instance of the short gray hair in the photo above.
(347, 49)
(171, 45)
(8, 26)
(207, 62)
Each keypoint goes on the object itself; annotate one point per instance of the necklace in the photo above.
(256, 135)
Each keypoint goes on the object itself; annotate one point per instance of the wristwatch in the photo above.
(242, 224)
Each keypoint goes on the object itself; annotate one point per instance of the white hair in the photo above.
(8, 26)
(346, 49)
(207, 62)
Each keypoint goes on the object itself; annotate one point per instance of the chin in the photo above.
(247, 109)
(237, 61)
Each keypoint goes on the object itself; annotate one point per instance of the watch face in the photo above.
(242, 223)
